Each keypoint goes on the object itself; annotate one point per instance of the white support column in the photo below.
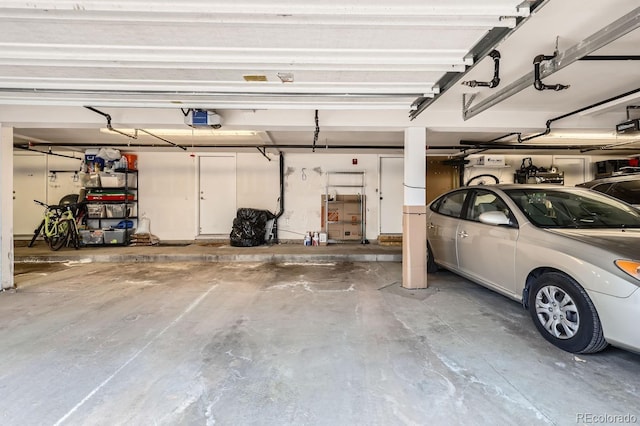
(414, 222)
(6, 207)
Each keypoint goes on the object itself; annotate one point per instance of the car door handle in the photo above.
(431, 226)
(463, 234)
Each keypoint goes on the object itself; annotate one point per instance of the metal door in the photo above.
(391, 194)
(217, 194)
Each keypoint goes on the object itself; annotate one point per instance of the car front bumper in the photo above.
(619, 317)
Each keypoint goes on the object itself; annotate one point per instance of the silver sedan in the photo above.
(571, 256)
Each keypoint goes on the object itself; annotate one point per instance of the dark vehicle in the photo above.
(625, 187)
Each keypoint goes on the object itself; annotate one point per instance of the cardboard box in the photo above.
(322, 238)
(353, 219)
(352, 232)
(335, 231)
(335, 213)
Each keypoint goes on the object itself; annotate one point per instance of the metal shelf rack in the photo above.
(359, 185)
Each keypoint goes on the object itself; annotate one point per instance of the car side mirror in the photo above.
(494, 218)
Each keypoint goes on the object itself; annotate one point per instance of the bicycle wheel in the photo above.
(61, 236)
(74, 235)
(36, 234)
(485, 179)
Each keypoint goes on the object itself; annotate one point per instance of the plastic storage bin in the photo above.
(115, 236)
(117, 210)
(117, 180)
(90, 180)
(104, 195)
(91, 237)
(95, 210)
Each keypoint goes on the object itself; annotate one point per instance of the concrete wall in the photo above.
(168, 189)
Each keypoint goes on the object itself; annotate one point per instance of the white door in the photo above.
(573, 168)
(391, 194)
(217, 194)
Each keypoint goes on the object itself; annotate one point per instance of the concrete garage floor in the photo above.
(284, 344)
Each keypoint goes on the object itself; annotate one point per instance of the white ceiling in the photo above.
(363, 65)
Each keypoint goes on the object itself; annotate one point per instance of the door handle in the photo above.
(431, 226)
(463, 234)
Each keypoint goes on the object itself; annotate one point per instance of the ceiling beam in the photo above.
(177, 88)
(478, 20)
(172, 100)
(599, 39)
(228, 10)
(79, 54)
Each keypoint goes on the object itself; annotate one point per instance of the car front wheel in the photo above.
(564, 314)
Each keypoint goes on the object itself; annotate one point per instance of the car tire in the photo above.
(565, 315)
(431, 263)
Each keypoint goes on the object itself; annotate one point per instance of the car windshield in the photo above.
(550, 208)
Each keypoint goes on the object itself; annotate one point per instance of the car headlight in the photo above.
(631, 267)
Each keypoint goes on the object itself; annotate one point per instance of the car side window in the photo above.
(603, 187)
(451, 205)
(627, 191)
(486, 201)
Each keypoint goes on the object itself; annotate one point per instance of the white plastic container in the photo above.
(117, 180)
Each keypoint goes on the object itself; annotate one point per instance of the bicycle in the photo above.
(58, 227)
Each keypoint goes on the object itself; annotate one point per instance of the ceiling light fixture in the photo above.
(589, 136)
(193, 132)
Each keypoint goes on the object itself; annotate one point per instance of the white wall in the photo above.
(168, 185)
(513, 163)
(167, 193)
(168, 190)
(33, 180)
(302, 192)
(257, 181)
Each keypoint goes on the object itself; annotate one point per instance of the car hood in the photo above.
(624, 243)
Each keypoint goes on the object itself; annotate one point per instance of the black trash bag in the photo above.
(249, 227)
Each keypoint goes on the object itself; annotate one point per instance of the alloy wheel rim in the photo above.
(557, 312)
